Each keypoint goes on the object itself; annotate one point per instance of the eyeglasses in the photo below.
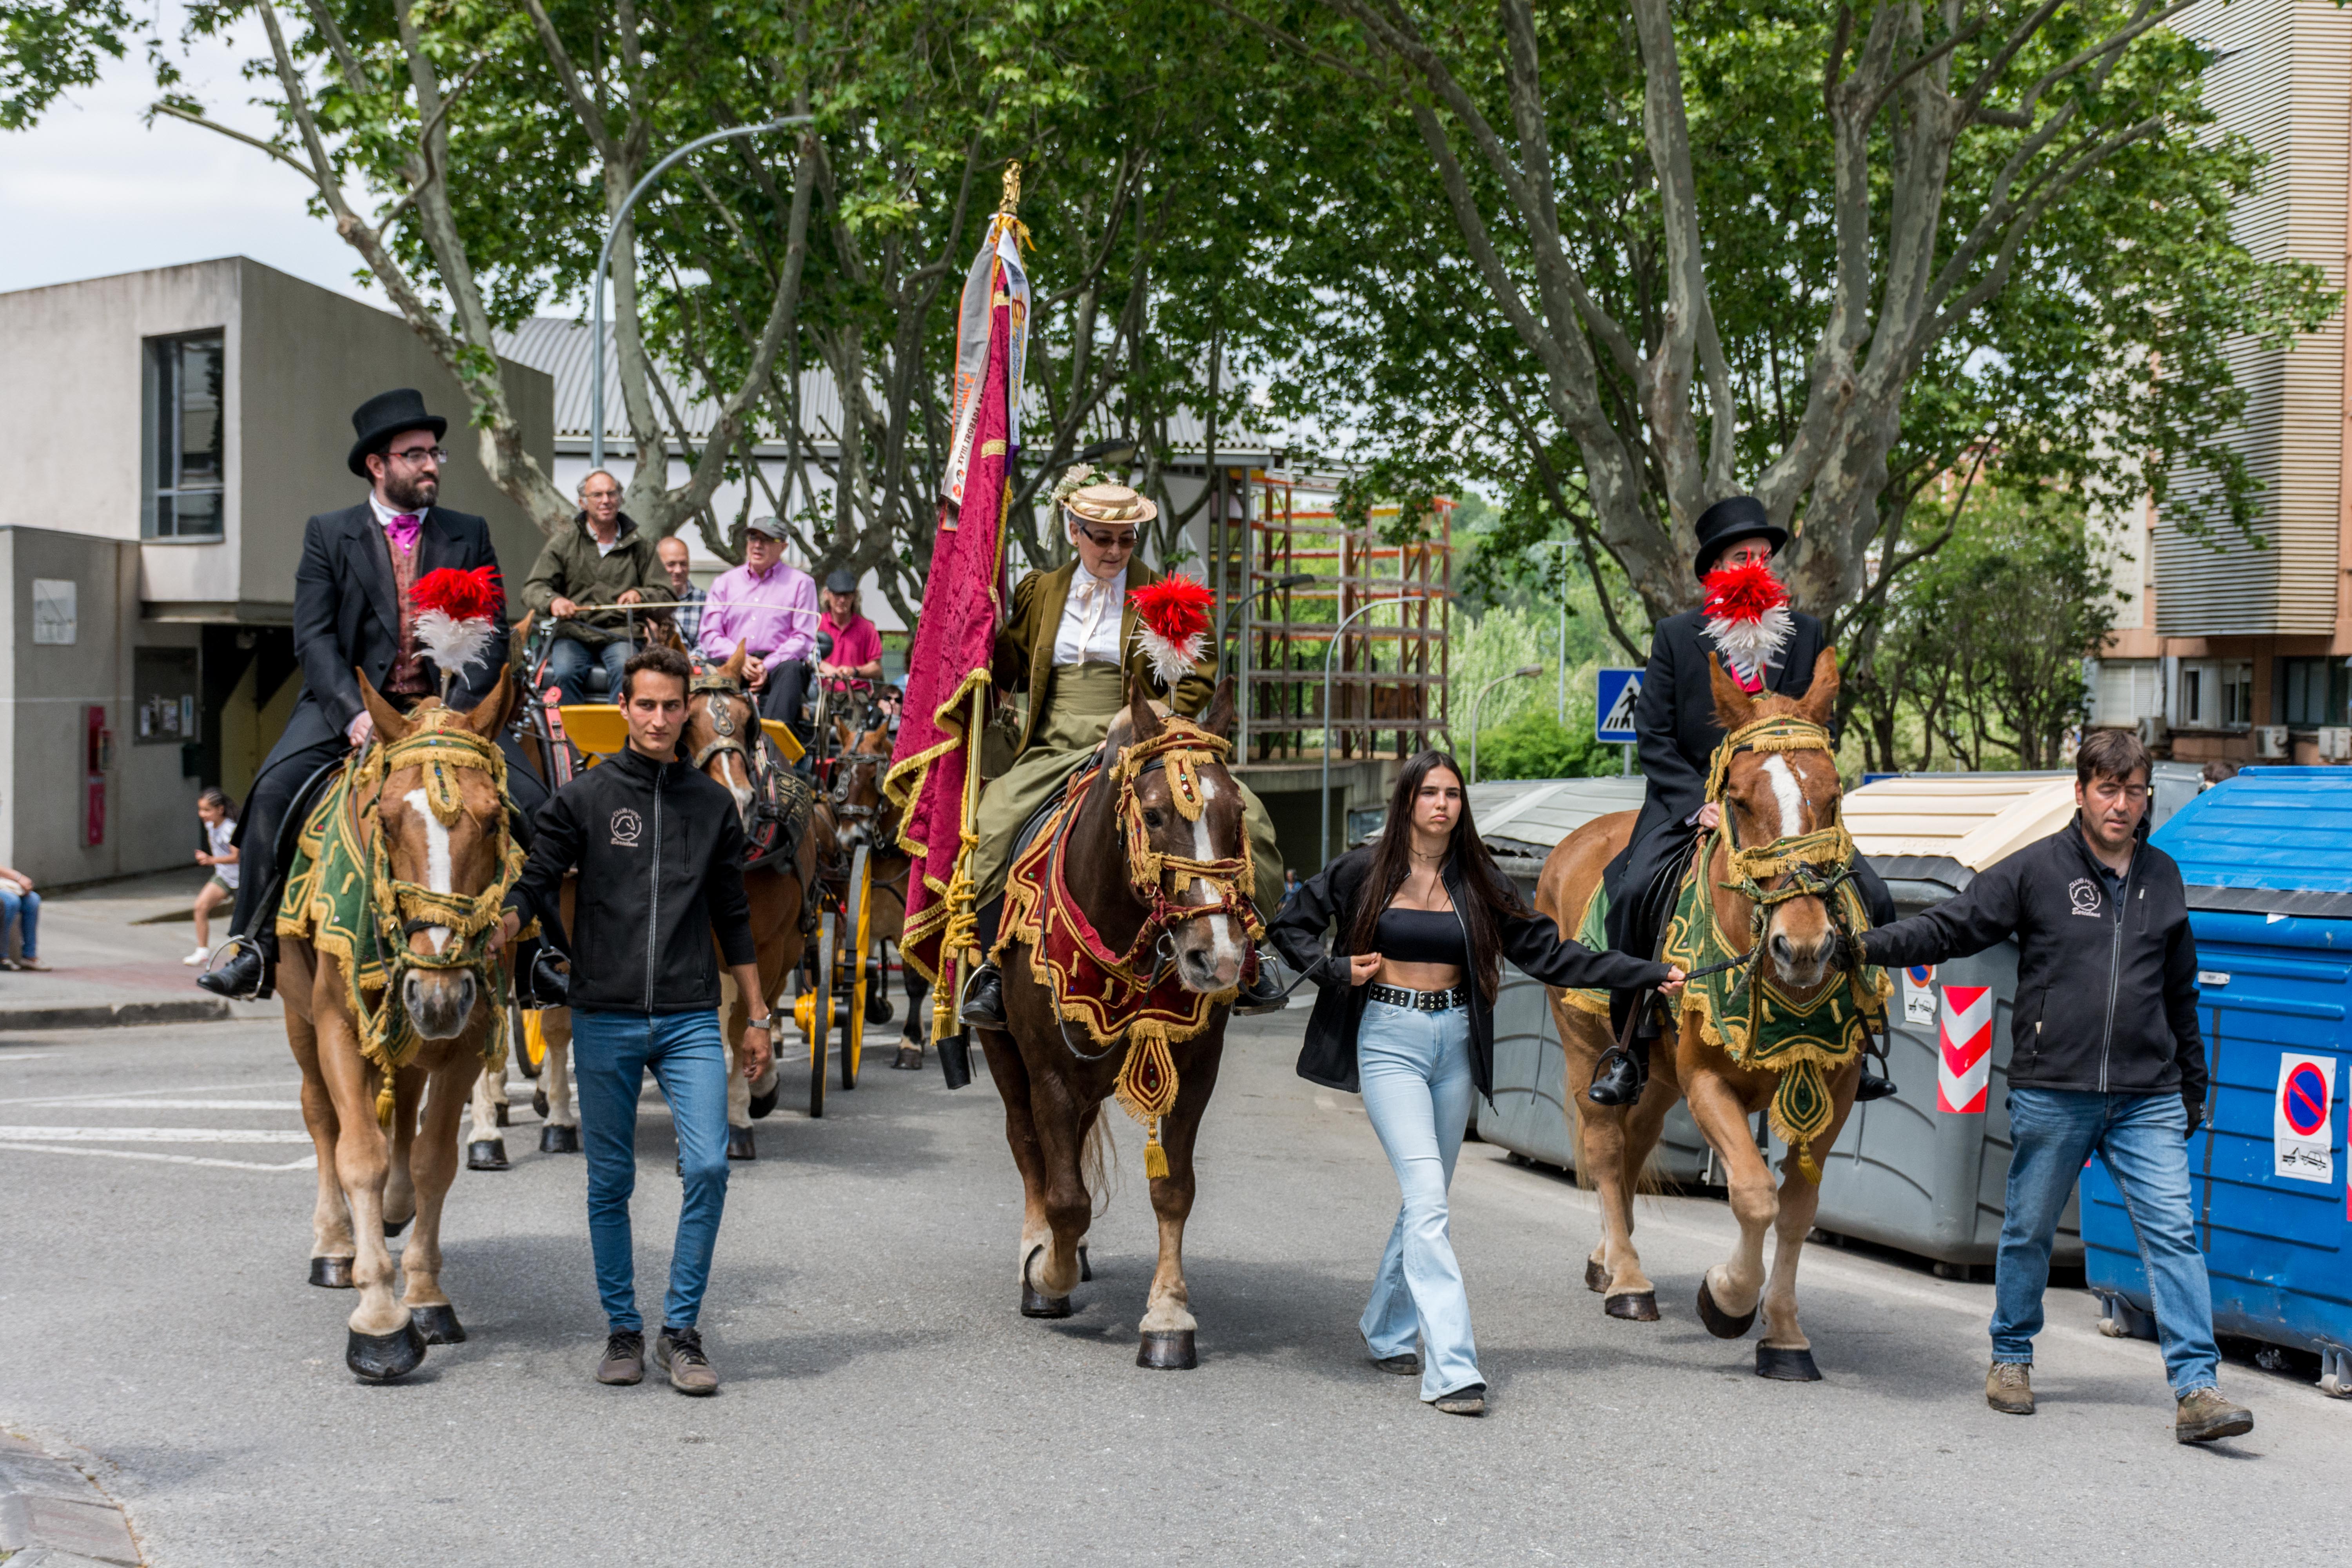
(1109, 541)
(419, 456)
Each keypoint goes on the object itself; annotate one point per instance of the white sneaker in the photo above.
(197, 957)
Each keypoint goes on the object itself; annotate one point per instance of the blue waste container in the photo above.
(2267, 857)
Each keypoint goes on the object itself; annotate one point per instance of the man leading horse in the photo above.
(353, 615)
(1769, 647)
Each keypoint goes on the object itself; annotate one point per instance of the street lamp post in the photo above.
(604, 260)
(1323, 840)
(1295, 580)
(1561, 712)
(1525, 672)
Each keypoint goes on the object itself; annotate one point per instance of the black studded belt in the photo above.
(1422, 1001)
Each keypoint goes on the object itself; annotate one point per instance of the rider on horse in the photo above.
(1766, 646)
(1071, 642)
(352, 612)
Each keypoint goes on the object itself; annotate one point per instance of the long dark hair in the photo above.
(1490, 897)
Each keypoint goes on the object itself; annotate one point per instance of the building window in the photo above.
(185, 445)
(2214, 694)
(2307, 693)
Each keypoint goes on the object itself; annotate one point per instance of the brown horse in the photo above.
(1054, 1076)
(436, 830)
(865, 816)
(1769, 798)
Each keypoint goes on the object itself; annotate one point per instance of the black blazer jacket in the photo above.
(1329, 899)
(1675, 715)
(347, 612)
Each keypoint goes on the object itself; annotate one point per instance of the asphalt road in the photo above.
(884, 1403)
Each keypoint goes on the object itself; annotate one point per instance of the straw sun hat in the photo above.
(1110, 504)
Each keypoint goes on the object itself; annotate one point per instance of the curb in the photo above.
(118, 1015)
(53, 1516)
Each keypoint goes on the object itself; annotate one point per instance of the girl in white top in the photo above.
(218, 814)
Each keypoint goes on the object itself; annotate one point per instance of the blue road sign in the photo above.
(1614, 721)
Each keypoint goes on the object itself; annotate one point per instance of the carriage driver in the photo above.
(1674, 720)
(1070, 643)
(601, 557)
(351, 610)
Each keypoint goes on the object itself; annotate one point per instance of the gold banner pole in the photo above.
(963, 926)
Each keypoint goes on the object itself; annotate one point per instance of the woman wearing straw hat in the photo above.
(1070, 643)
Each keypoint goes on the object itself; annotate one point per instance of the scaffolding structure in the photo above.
(1288, 577)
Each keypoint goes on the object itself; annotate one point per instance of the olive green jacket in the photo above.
(568, 567)
(1024, 646)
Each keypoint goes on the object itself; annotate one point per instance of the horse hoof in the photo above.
(554, 1139)
(392, 1227)
(487, 1155)
(440, 1325)
(910, 1059)
(380, 1358)
(1786, 1366)
(1721, 1323)
(331, 1273)
(1167, 1350)
(539, 1103)
(505, 1119)
(1596, 1278)
(1636, 1307)
(1033, 1305)
(763, 1103)
(1086, 1269)
(740, 1145)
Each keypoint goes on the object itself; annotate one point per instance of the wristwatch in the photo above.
(768, 1022)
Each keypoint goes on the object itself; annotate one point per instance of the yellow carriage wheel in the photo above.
(529, 1041)
(851, 972)
(813, 1010)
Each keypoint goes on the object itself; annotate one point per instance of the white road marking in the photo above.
(307, 1162)
(26, 1055)
(185, 1104)
(159, 1134)
(1790, 798)
(176, 1088)
(436, 858)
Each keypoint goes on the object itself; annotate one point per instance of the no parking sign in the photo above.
(2300, 1135)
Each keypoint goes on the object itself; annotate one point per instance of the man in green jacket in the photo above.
(600, 557)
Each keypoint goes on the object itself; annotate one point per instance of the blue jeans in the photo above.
(2142, 1139)
(610, 1052)
(1414, 1069)
(568, 663)
(25, 907)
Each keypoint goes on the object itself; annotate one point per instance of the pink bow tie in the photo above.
(401, 530)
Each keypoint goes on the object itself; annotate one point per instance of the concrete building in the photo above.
(174, 429)
(2228, 651)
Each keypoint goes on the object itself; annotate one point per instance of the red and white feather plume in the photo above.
(1746, 613)
(457, 615)
(1172, 624)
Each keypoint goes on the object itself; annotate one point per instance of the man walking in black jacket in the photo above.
(659, 850)
(2106, 1059)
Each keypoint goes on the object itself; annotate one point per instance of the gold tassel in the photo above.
(383, 1104)
(1155, 1158)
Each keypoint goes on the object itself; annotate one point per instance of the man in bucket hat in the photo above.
(351, 610)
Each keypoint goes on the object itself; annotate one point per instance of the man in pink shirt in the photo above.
(771, 609)
(857, 653)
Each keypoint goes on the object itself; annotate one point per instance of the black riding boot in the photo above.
(1623, 1072)
(250, 973)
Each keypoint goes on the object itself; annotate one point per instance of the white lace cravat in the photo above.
(1090, 619)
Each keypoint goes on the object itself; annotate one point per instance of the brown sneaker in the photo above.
(2204, 1415)
(2008, 1388)
(625, 1358)
(678, 1351)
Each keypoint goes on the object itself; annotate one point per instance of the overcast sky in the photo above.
(93, 191)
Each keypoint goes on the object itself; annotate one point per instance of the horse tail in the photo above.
(1098, 1166)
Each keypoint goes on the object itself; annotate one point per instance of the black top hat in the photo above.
(1729, 522)
(842, 580)
(386, 415)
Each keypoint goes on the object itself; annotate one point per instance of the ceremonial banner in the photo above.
(964, 596)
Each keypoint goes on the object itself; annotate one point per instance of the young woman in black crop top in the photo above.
(1420, 921)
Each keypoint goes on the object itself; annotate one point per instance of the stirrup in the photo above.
(1608, 1089)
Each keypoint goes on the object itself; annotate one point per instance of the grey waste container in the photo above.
(1925, 1171)
(1522, 821)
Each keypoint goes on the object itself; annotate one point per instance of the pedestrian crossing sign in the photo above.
(1614, 709)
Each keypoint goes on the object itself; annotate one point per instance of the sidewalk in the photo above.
(53, 1516)
(108, 967)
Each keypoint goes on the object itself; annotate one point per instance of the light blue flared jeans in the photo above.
(1414, 1069)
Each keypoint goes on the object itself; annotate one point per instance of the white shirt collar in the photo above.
(385, 514)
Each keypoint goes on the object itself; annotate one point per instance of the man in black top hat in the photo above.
(1674, 720)
(352, 611)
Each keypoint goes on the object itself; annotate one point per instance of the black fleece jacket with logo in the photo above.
(659, 849)
(2107, 978)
